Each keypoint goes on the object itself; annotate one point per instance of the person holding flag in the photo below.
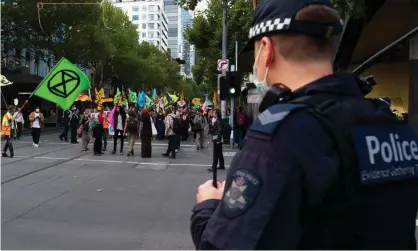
(6, 131)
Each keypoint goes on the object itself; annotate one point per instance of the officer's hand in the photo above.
(206, 191)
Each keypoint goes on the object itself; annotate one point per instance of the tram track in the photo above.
(59, 162)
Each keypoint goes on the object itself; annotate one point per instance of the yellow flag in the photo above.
(215, 101)
(196, 101)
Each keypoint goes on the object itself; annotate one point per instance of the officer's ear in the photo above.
(268, 54)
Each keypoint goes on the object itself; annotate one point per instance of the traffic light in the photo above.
(230, 85)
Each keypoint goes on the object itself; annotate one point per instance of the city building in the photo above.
(150, 19)
(185, 47)
(173, 12)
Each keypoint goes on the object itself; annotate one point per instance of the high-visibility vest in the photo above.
(5, 125)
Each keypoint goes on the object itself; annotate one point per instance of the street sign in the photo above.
(222, 64)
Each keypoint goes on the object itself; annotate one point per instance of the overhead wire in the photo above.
(40, 6)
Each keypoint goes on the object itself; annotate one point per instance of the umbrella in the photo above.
(82, 98)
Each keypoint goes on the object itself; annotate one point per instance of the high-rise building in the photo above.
(185, 46)
(150, 19)
(173, 12)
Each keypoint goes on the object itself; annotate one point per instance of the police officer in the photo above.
(318, 170)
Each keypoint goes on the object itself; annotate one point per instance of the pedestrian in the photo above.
(85, 125)
(316, 169)
(146, 134)
(169, 132)
(66, 126)
(131, 128)
(199, 127)
(98, 132)
(36, 119)
(119, 124)
(18, 118)
(178, 135)
(74, 122)
(6, 132)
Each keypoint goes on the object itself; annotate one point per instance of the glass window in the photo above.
(144, 34)
(151, 17)
(153, 8)
(144, 8)
(151, 25)
(135, 17)
(173, 32)
(144, 26)
(135, 9)
(144, 17)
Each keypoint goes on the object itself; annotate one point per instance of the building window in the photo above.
(144, 17)
(150, 34)
(151, 25)
(135, 9)
(153, 8)
(151, 17)
(144, 26)
(144, 8)
(144, 34)
(36, 64)
(135, 17)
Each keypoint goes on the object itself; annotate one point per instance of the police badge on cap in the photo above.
(279, 16)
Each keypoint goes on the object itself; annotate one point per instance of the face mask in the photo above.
(37, 110)
(262, 85)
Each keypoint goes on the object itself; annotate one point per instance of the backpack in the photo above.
(132, 125)
(240, 119)
(176, 125)
(198, 126)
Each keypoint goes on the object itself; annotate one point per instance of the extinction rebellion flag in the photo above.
(63, 84)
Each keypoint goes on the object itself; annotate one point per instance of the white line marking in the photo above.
(51, 158)
(110, 141)
(100, 160)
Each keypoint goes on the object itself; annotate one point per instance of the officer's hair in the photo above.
(297, 47)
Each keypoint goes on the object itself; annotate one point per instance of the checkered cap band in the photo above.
(270, 25)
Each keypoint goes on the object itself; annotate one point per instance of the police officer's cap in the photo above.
(278, 16)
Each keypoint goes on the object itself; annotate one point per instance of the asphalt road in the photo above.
(57, 197)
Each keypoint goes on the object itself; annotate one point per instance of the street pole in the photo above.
(224, 51)
(235, 68)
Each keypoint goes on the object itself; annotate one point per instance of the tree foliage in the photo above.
(98, 36)
(206, 34)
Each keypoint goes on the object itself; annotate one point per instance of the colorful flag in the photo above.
(99, 94)
(154, 94)
(118, 97)
(141, 99)
(215, 101)
(148, 101)
(63, 84)
(173, 97)
(132, 96)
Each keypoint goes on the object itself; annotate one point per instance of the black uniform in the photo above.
(321, 167)
(74, 122)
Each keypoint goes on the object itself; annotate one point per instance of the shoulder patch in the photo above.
(386, 153)
(241, 193)
(268, 120)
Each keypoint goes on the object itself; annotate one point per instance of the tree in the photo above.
(96, 35)
(206, 34)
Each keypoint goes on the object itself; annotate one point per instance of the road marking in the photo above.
(229, 154)
(51, 158)
(101, 160)
(110, 141)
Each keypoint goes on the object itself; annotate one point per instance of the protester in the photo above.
(66, 125)
(240, 125)
(98, 132)
(18, 118)
(119, 121)
(169, 123)
(74, 122)
(85, 128)
(36, 119)
(199, 126)
(6, 132)
(131, 128)
(184, 126)
(146, 134)
(159, 124)
(105, 128)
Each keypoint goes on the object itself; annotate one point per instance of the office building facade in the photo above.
(150, 19)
